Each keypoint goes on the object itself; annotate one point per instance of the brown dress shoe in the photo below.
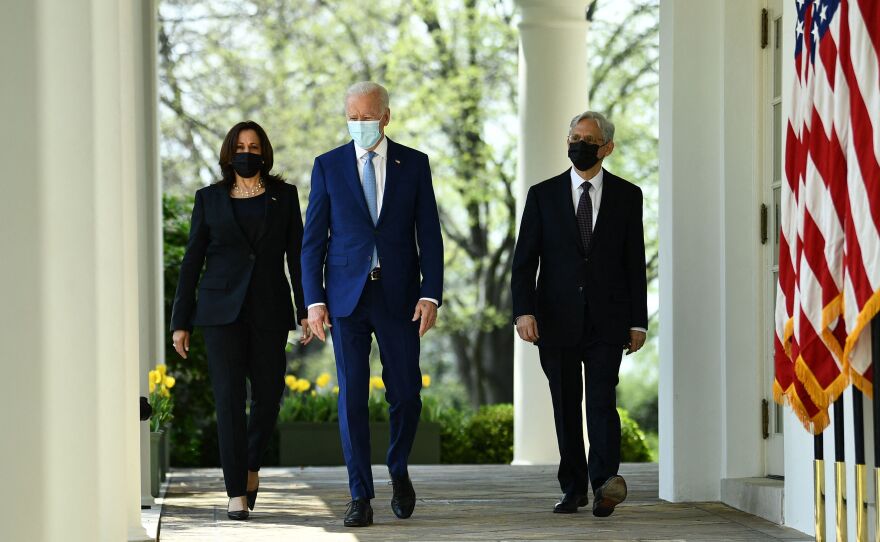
(612, 493)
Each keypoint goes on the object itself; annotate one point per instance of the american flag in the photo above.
(829, 242)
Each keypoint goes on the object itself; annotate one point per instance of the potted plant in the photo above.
(309, 429)
(162, 403)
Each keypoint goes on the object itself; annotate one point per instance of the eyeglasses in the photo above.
(575, 138)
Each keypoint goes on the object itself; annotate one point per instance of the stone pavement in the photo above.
(468, 502)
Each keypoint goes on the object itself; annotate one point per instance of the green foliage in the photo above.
(301, 407)
(490, 433)
(637, 394)
(633, 444)
(194, 432)
(162, 405)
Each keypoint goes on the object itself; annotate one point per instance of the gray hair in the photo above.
(605, 125)
(364, 88)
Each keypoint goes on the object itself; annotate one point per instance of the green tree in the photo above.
(451, 68)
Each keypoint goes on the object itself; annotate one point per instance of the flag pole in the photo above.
(839, 470)
(819, 486)
(875, 362)
(861, 474)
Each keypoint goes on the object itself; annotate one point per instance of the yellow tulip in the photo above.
(157, 377)
(164, 392)
(336, 390)
(426, 381)
(169, 382)
(303, 385)
(152, 386)
(323, 380)
(290, 380)
(151, 377)
(162, 368)
(314, 393)
(377, 382)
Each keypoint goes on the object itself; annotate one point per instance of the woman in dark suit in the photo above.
(242, 228)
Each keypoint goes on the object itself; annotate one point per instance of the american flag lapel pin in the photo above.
(397, 162)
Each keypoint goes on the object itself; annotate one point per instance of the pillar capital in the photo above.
(554, 13)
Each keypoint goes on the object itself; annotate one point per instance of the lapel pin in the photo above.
(397, 162)
(274, 198)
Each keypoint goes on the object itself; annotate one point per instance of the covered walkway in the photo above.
(473, 502)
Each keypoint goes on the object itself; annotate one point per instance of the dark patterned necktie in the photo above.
(585, 215)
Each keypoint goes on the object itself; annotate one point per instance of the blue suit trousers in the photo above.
(398, 339)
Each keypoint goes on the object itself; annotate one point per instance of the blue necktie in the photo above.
(372, 199)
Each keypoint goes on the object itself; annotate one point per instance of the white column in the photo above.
(70, 312)
(691, 249)
(149, 208)
(552, 90)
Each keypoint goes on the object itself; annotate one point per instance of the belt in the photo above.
(375, 274)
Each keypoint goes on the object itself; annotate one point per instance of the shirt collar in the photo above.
(381, 150)
(596, 181)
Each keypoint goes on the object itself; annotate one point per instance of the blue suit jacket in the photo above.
(339, 234)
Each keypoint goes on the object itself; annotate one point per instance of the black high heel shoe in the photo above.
(252, 498)
(238, 515)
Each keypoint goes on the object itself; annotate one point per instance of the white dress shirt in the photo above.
(595, 193)
(596, 197)
(380, 162)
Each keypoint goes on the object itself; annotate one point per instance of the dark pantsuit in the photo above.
(236, 352)
(563, 366)
(398, 340)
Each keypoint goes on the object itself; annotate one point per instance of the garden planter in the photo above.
(318, 444)
(155, 461)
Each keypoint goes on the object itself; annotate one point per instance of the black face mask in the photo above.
(247, 164)
(583, 155)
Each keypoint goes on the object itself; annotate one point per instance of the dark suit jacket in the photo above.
(340, 235)
(610, 279)
(231, 264)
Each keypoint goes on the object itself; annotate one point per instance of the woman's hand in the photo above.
(307, 335)
(180, 340)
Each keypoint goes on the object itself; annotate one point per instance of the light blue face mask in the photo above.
(364, 132)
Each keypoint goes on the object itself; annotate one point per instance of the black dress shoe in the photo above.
(238, 515)
(403, 502)
(252, 498)
(359, 513)
(570, 503)
(612, 493)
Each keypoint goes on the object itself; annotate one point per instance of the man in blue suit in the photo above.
(372, 263)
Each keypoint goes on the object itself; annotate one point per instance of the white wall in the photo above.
(744, 334)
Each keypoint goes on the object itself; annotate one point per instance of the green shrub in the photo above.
(490, 434)
(633, 444)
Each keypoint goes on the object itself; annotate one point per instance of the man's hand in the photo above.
(318, 318)
(636, 341)
(307, 335)
(427, 311)
(180, 340)
(527, 327)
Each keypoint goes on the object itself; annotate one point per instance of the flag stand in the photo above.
(875, 362)
(839, 470)
(861, 474)
(819, 486)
